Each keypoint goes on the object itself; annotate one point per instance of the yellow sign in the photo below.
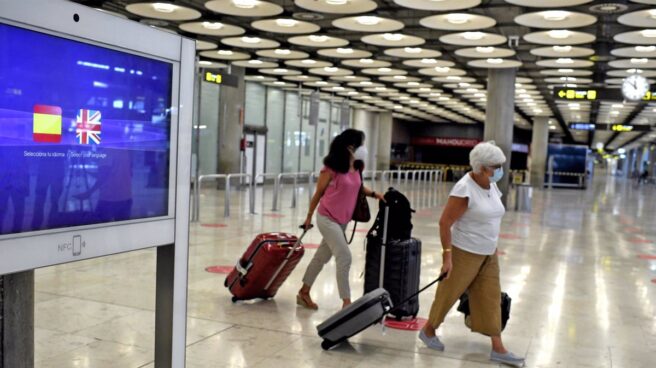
(621, 128)
(650, 96)
(574, 94)
(214, 78)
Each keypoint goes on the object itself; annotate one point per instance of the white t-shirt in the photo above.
(477, 231)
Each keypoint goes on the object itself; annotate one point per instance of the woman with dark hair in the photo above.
(336, 195)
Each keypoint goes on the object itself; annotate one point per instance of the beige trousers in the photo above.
(480, 275)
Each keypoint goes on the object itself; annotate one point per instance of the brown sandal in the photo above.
(304, 300)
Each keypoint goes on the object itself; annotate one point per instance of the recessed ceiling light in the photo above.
(485, 50)
(435, 94)
(614, 112)
(384, 70)
(165, 7)
(495, 61)
(366, 61)
(564, 61)
(571, 85)
(650, 33)
(618, 106)
(212, 25)
(331, 69)
(225, 52)
(336, 2)
(255, 62)
(279, 83)
(344, 51)
(464, 85)
(381, 89)
(559, 33)
(204, 62)
(566, 70)
(562, 48)
(309, 61)
(424, 89)
(280, 70)
(634, 71)
(479, 94)
(286, 22)
(320, 39)
(353, 93)
(366, 83)
(338, 88)
(645, 48)
(412, 50)
(247, 39)
(555, 15)
(567, 78)
(413, 84)
(442, 69)
(473, 36)
(639, 61)
(283, 52)
(321, 83)
(400, 77)
(246, 4)
(652, 13)
(428, 61)
(454, 77)
(393, 36)
(260, 77)
(458, 18)
(367, 20)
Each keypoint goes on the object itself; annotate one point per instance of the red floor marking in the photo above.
(653, 280)
(409, 325)
(640, 241)
(213, 225)
(274, 215)
(310, 246)
(509, 236)
(633, 229)
(500, 253)
(219, 269)
(647, 256)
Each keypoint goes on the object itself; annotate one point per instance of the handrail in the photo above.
(276, 191)
(226, 205)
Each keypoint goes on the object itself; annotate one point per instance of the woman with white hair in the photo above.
(469, 230)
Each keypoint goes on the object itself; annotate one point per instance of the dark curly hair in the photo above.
(339, 156)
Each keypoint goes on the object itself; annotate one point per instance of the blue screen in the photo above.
(84, 133)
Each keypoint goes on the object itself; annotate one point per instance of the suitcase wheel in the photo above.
(327, 344)
(235, 299)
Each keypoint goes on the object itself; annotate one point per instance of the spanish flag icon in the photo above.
(47, 124)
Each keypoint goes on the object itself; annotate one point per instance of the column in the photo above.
(366, 121)
(384, 141)
(652, 159)
(539, 145)
(17, 320)
(231, 112)
(500, 116)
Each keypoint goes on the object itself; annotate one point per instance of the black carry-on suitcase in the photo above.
(368, 310)
(393, 264)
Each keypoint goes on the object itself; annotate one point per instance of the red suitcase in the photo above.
(265, 265)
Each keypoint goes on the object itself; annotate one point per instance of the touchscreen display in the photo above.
(84, 133)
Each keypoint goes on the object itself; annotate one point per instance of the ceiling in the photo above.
(429, 59)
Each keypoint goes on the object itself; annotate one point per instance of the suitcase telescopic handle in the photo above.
(289, 254)
(442, 276)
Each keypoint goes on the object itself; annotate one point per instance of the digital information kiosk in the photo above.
(95, 149)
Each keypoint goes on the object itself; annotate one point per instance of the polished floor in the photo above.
(581, 270)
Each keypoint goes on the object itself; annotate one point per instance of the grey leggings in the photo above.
(333, 243)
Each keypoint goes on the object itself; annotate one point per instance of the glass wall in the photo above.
(307, 134)
(292, 135)
(209, 128)
(275, 122)
(255, 104)
(323, 134)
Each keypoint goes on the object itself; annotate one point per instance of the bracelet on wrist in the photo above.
(446, 250)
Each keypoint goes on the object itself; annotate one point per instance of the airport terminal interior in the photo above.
(565, 88)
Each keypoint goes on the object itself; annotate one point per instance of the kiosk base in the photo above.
(17, 320)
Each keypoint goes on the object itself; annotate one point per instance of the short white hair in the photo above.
(486, 154)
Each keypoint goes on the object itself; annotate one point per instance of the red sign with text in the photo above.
(445, 142)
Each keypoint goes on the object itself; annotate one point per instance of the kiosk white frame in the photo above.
(27, 251)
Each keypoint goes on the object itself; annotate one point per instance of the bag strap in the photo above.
(352, 233)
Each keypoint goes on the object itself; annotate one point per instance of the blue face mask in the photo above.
(498, 174)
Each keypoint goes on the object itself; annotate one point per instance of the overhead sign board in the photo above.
(610, 127)
(224, 79)
(445, 142)
(593, 94)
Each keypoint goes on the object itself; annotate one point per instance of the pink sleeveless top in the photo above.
(338, 201)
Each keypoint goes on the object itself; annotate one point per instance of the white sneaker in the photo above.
(507, 358)
(431, 342)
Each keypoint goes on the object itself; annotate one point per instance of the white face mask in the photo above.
(361, 154)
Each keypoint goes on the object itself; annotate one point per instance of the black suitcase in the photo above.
(397, 260)
(401, 272)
